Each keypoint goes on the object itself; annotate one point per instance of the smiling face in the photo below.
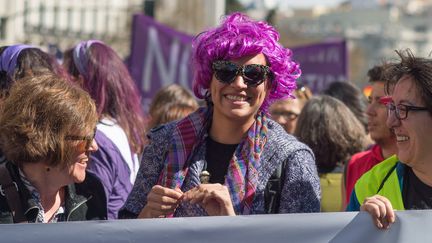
(80, 157)
(77, 170)
(236, 101)
(377, 115)
(414, 134)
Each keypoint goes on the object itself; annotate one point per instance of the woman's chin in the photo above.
(79, 179)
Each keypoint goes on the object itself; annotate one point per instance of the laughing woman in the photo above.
(46, 133)
(218, 160)
(403, 182)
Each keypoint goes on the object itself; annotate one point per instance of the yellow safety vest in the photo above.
(383, 180)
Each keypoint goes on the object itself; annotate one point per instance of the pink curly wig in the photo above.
(239, 36)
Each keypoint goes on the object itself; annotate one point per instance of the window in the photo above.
(3, 23)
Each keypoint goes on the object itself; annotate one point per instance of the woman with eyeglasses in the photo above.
(218, 160)
(286, 111)
(121, 127)
(404, 181)
(46, 133)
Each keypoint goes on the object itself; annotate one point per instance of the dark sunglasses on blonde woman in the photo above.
(253, 74)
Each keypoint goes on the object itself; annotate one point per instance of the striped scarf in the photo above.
(242, 176)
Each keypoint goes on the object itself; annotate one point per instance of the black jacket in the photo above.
(84, 201)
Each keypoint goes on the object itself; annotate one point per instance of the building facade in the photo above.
(62, 23)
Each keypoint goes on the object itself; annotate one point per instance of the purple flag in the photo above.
(159, 56)
(322, 63)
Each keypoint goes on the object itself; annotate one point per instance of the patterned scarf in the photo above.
(242, 175)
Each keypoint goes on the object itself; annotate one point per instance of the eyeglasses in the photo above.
(401, 110)
(253, 74)
(88, 139)
(287, 115)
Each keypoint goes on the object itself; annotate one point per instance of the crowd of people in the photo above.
(76, 145)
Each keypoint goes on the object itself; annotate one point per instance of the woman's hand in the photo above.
(214, 198)
(161, 201)
(380, 209)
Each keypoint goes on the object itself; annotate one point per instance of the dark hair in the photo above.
(377, 73)
(352, 97)
(37, 116)
(30, 62)
(331, 130)
(420, 69)
(113, 89)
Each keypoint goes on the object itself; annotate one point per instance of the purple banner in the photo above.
(161, 56)
(322, 63)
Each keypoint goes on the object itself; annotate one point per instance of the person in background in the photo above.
(171, 103)
(334, 134)
(385, 140)
(20, 61)
(46, 133)
(286, 111)
(404, 181)
(218, 160)
(352, 97)
(121, 127)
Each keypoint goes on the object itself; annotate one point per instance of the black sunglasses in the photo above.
(88, 139)
(253, 74)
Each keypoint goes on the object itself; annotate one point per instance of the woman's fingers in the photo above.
(389, 216)
(380, 209)
(220, 196)
(214, 198)
(374, 209)
(164, 191)
(195, 195)
(161, 201)
(161, 208)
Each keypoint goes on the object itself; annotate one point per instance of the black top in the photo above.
(218, 156)
(416, 194)
(84, 201)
